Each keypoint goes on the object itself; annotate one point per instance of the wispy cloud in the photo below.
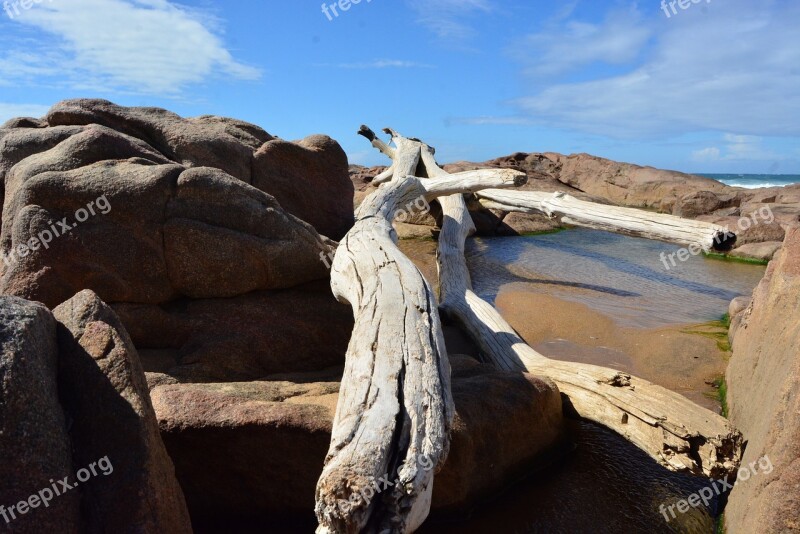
(378, 64)
(146, 46)
(564, 44)
(450, 20)
(731, 67)
(737, 148)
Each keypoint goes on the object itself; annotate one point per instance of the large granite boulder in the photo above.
(104, 391)
(34, 443)
(763, 398)
(269, 438)
(152, 230)
(308, 178)
(144, 206)
(80, 443)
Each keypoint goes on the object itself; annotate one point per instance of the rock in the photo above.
(527, 223)
(104, 391)
(361, 178)
(159, 232)
(413, 231)
(271, 437)
(22, 142)
(224, 144)
(750, 227)
(310, 179)
(763, 383)
(738, 305)
(248, 450)
(736, 311)
(241, 338)
(523, 421)
(625, 184)
(757, 251)
(703, 202)
(24, 122)
(34, 443)
(180, 197)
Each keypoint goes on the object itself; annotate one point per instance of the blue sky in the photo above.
(714, 87)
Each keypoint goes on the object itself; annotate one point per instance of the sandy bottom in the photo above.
(685, 359)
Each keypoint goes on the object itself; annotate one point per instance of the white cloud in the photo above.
(738, 148)
(565, 45)
(10, 111)
(449, 19)
(379, 64)
(706, 154)
(147, 46)
(728, 66)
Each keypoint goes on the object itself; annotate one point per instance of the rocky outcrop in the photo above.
(196, 230)
(763, 380)
(34, 443)
(226, 437)
(158, 232)
(104, 391)
(80, 443)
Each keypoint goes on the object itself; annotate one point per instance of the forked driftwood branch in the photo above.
(674, 431)
(628, 221)
(392, 422)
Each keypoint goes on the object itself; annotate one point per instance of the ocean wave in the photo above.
(751, 185)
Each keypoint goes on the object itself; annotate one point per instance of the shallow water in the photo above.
(602, 483)
(619, 276)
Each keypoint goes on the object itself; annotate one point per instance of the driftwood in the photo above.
(628, 221)
(677, 433)
(392, 422)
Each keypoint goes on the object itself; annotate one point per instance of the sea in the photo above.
(752, 181)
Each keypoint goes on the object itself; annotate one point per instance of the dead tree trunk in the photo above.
(392, 422)
(677, 433)
(628, 221)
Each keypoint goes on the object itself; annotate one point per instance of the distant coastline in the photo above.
(752, 181)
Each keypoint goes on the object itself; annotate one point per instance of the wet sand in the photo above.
(668, 356)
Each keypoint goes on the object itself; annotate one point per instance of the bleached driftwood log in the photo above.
(628, 221)
(677, 433)
(392, 422)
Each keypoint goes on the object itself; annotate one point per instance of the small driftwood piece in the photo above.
(392, 422)
(674, 431)
(628, 221)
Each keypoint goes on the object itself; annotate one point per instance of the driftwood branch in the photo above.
(395, 409)
(677, 433)
(628, 221)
